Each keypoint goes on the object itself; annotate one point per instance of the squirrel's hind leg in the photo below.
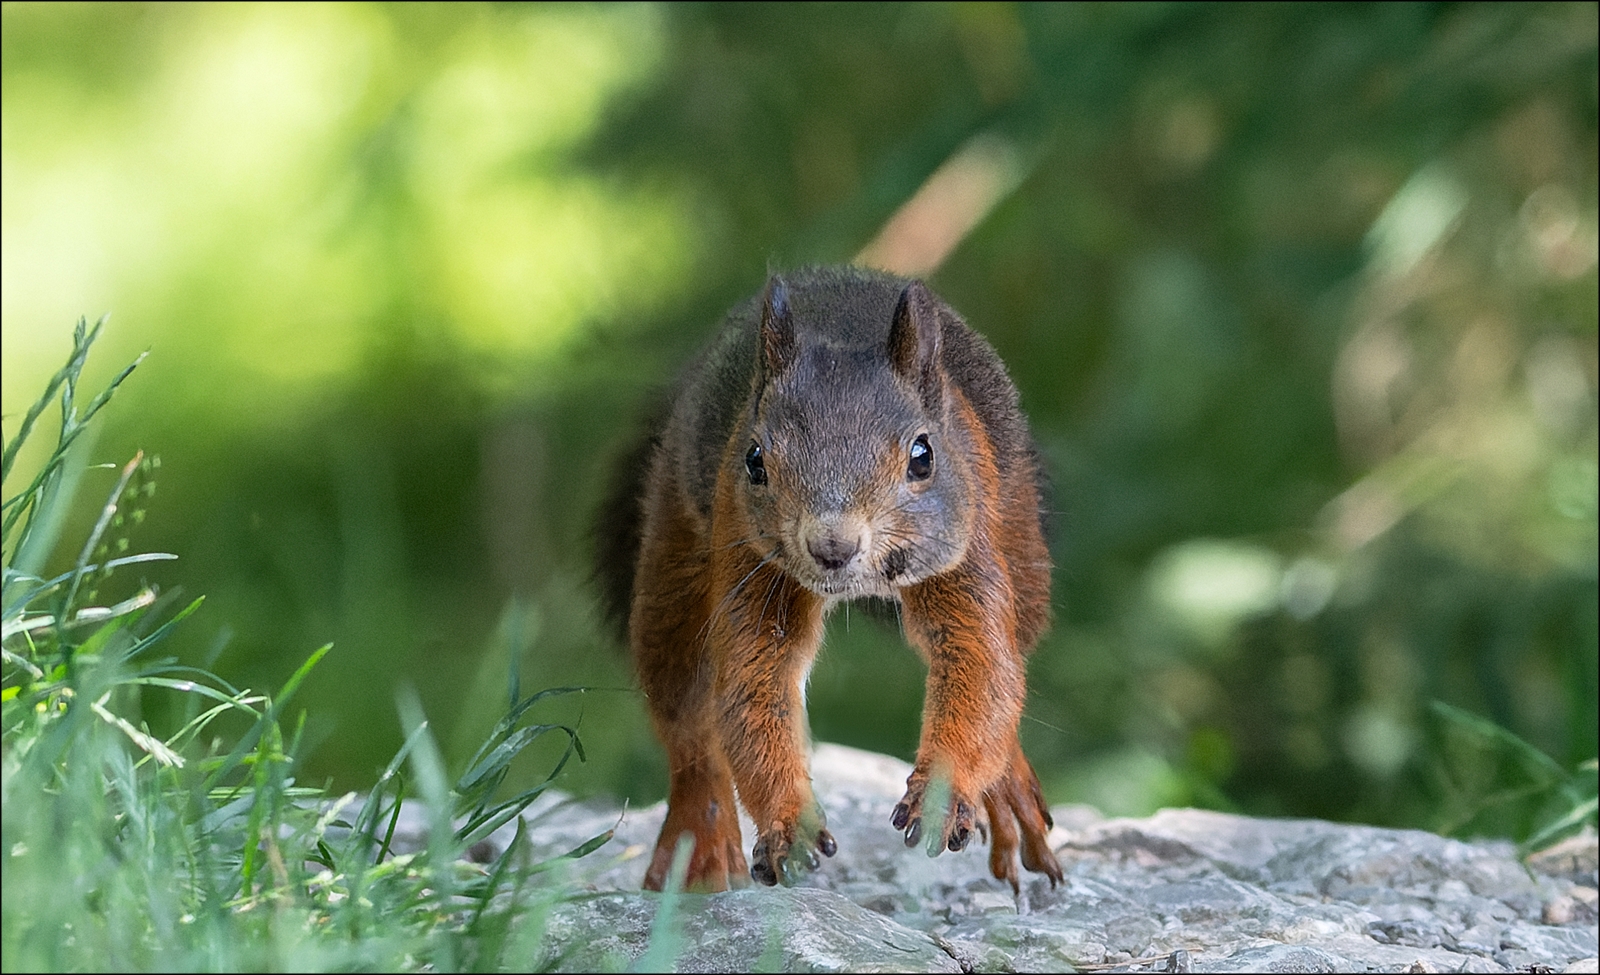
(700, 805)
(668, 631)
(1019, 823)
(700, 801)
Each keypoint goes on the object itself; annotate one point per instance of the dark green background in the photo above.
(1301, 301)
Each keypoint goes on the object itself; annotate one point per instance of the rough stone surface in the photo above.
(1183, 890)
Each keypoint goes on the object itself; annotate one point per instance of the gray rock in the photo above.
(1576, 859)
(1183, 890)
(789, 930)
(1281, 958)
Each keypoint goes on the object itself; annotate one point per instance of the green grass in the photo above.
(196, 849)
(1492, 782)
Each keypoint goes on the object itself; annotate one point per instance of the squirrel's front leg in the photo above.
(963, 624)
(763, 643)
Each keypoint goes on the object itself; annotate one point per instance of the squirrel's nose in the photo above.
(833, 552)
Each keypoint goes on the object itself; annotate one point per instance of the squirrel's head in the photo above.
(854, 478)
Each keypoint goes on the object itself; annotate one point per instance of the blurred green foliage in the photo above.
(1301, 300)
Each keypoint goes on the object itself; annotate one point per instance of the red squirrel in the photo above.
(845, 435)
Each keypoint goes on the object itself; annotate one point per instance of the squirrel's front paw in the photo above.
(783, 852)
(957, 813)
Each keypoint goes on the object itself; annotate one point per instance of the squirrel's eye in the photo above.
(920, 467)
(754, 465)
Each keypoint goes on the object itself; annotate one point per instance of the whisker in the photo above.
(771, 591)
(759, 536)
(1040, 721)
(924, 553)
(705, 629)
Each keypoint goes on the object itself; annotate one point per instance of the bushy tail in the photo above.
(617, 527)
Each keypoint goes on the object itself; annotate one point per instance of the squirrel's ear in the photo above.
(777, 328)
(914, 341)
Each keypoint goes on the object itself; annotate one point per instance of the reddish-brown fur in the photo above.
(725, 616)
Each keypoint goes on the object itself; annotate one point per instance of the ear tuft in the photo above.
(915, 338)
(777, 328)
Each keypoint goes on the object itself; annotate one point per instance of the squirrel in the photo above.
(845, 435)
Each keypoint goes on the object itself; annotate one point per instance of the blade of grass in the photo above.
(666, 939)
(1489, 731)
(364, 827)
(505, 726)
(41, 491)
(75, 362)
(263, 795)
(428, 765)
(195, 687)
(45, 585)
(496, 762)
(1574, 817)
(248, 742)
(107, 512)
(394, 819)
(581, 850)
(160, 633)
(482, 822)
(105, 394)
(492, 883)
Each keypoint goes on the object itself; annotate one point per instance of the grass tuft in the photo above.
(1497, 783)
(131, 850)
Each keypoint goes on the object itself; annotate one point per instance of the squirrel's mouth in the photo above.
(849, 589)
(858, 578)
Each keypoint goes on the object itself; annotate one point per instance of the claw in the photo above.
(900, 816)
(760, 865)
(788, 851)
(1020, 822)
(914, 832)
(958, 839)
